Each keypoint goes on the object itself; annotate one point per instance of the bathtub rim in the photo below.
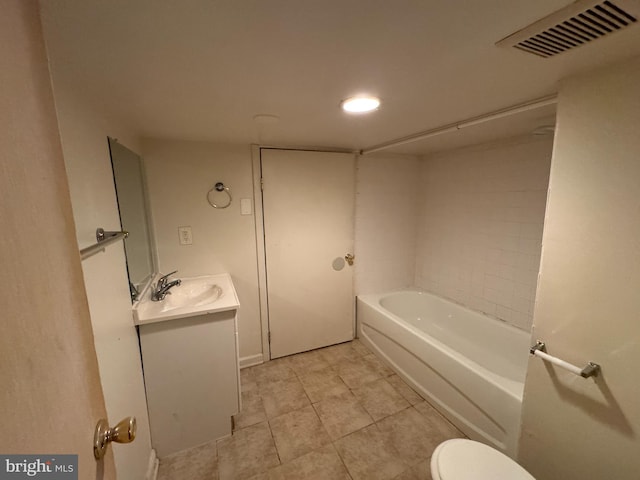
(488, 412)
(511, 387)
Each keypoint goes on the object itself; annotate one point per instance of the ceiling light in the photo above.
(360, 104)
(265, 118)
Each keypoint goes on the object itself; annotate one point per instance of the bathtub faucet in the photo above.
(163, 286)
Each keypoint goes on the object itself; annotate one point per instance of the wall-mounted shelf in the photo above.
(103, 239)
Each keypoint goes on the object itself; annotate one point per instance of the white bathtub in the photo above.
(469, 366)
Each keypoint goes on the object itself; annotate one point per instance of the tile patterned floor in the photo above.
(333, 413)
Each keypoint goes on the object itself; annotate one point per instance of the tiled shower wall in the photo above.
(480, 226)
(385, 223)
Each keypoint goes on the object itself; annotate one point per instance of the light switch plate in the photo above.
(245, 206)
(184, 233)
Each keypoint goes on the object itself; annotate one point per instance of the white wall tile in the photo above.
(483, 305)
(498, 283)
(479, 231)
(386, 223)
(504, 313)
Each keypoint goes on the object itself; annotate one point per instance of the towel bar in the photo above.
(539, 350)
(103, 239)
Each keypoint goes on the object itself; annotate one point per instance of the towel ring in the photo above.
(219, 187)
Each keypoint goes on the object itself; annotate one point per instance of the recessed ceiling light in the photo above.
(360, 104)
(266, 118)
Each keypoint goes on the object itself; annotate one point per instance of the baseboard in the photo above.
(251, 360)
(152, 467)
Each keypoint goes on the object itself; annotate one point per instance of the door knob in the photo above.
(349, 258)
(123, 432)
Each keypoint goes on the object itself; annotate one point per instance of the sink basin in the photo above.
(192, 291)
(194, 296)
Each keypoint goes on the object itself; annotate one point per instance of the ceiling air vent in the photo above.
(573, 26)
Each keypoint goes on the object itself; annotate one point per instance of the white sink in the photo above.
(194, 296)
(192, 291)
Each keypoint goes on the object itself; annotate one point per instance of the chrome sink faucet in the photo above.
(163, 286)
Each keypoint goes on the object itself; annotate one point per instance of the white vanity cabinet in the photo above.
(192, 378)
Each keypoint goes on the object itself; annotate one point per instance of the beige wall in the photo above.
(385, 222)
(50, 398)
(480, 226)
(179, 175)
(588, 293)
(84, 130)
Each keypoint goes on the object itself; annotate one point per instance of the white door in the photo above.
(308, 202)
(50, 397)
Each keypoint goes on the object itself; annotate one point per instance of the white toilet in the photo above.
(462, 459)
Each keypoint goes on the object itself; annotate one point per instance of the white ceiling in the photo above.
(202, 69)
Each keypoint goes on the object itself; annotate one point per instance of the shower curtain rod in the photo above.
(454, 127)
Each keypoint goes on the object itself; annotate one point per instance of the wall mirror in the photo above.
(129, 181)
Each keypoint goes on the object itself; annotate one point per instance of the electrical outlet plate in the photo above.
(185, 235)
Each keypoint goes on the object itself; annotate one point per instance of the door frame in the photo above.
(260, 250)
(256, 162)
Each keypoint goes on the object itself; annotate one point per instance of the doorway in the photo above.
(308, 200)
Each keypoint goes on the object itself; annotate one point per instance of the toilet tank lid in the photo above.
(462, 459)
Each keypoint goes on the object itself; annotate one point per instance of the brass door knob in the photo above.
(349, 258)
(123, 432)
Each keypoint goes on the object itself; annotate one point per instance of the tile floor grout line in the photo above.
(299, 373)
(341, 459)
(275, 445)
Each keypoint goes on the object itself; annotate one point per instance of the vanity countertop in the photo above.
(194, 296)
